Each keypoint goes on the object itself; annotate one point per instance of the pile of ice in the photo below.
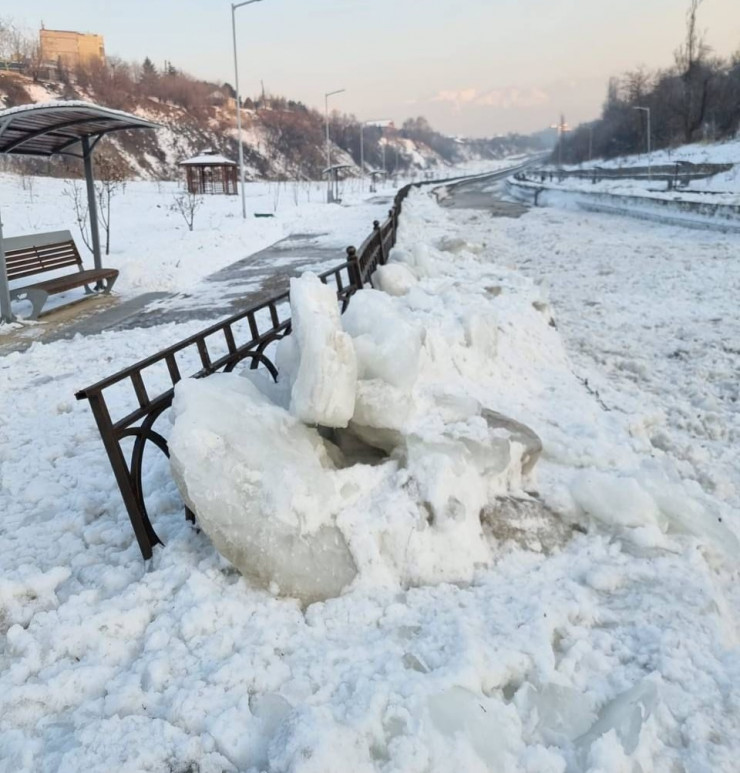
(399, 445)
(357, 465)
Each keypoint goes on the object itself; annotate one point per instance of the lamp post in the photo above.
(362, 142)
(328, 143)
(649, 143)
(590, 141)
(234, 6)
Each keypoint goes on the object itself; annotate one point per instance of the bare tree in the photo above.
(694, 72)
(112, 180)
(74, 192)
(187, 204)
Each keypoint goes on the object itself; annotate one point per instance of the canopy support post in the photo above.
(6, 313)
(91, 201)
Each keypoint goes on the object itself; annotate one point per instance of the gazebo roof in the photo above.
(51, 128)
(208, 159)
(336, 168)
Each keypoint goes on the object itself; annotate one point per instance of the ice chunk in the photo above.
(323, 389)
(625, 715)
(260, 484)
(394, 279)
(491, 727)
(561, 711)
(481, 333)
(387, 346)
(519, 433)
(613, 500)
(381, 405)
(686, 514)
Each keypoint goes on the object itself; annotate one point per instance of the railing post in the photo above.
(354, 260)
(379, 236)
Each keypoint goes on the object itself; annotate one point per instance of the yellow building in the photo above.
(72, 48)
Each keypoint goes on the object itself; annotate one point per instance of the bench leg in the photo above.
(109, 284)
(38, 299)
(106, 285)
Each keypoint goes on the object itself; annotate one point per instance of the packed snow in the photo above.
(569, 610)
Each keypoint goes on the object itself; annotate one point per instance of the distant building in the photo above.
(71, 48)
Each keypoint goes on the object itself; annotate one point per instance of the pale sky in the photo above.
(474, 67)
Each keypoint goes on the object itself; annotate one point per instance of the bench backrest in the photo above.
(36, 253)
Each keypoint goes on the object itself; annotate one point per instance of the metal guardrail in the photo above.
(245, 336)
(676, 174)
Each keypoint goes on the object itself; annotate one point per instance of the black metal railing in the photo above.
(127, 404)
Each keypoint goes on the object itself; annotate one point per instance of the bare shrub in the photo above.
(186, 204)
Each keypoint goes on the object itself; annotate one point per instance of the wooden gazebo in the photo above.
(211, 173)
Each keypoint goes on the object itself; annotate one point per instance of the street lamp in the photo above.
(328, 145)
(234, 6)
(649, 143)
(376, 123)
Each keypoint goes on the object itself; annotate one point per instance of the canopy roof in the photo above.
(52, 128)
(208, 159)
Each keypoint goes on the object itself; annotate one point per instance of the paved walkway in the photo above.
(235, 287)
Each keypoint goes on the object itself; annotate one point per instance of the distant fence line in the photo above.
(677, 174)
(692, 214)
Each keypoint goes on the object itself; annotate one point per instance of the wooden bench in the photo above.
(27, 256)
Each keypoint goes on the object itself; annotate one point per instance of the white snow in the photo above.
(611, 650)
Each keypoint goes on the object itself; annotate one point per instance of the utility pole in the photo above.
(649, 141)
(329, 194)
(234, 7)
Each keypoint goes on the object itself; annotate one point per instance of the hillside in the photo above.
(282, 139)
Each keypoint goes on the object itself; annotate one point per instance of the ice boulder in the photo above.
(614, 500)
(394, 279)
(484, 725)
(624, 717)
(386, 344)
(324, 378)
(261, 485)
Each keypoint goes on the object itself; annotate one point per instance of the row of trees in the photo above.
(698, 97)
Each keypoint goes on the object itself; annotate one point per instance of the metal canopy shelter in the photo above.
(332, 174)
(60, 129)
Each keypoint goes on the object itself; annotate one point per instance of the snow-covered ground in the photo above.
(151, 244)
(597, 626)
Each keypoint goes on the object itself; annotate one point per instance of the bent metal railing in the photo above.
(245, 336)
